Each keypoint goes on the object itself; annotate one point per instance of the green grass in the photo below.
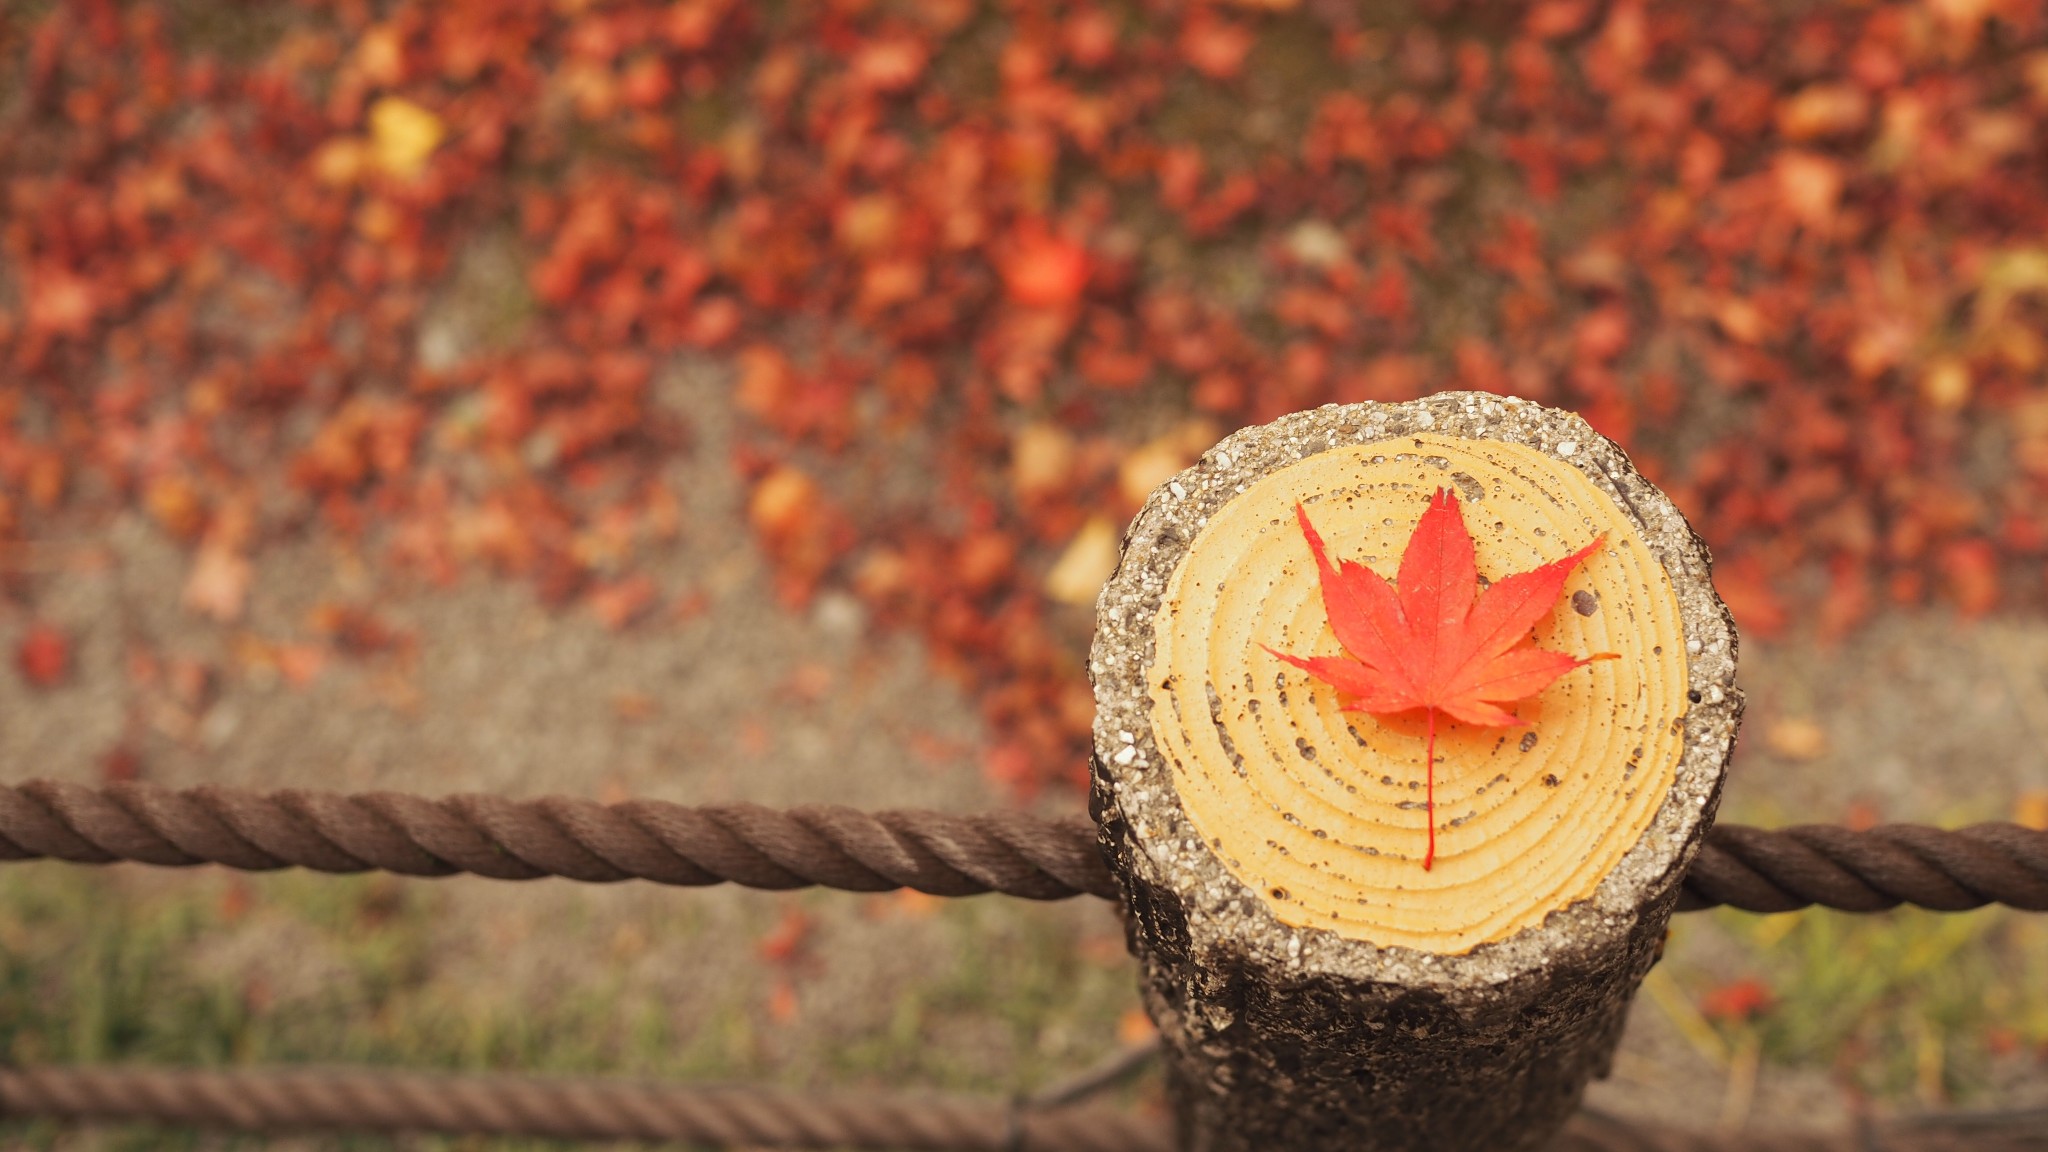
(1909, 1006)
(138, 966)
(1047, 1006)
(146, 968)
(93, 972)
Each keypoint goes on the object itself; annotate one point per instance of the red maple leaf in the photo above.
(1431, 640)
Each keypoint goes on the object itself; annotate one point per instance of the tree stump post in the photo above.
(1315, 987)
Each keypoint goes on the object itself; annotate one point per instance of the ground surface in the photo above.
(1922, 719)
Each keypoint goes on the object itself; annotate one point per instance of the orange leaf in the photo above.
(890, 65)
(219, 583)
(1431, 640)
(1134, 1027)
(1746, 588)
(1809, 187)
(300, 664)
(1045, 271)
(784, 944)
(1214, 47)
(782, 1002)
(620, 602)
(1820, 110)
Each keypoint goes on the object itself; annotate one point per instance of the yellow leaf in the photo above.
(2031, 809)
(1088, 561)
(2007, 275)
(1042, 458)
(1823, 110)
(1160, 459)
(402, 136)
(2035, 70)
(1797, 738)
(1149, 466)
(1945, 386)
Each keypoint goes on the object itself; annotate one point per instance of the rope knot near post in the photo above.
(1410, 719)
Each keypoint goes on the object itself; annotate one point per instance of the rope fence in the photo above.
(278, 1102)
(1014, 853)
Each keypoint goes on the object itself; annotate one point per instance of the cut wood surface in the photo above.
(1320, 810)
(1315, 986)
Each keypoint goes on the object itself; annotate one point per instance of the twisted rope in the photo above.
(586, 1109)
(1778, 870)
(332, 1100)
(945, 855)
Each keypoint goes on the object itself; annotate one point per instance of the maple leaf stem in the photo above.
(1429, 796)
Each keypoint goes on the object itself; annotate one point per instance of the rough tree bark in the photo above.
(1315, 987)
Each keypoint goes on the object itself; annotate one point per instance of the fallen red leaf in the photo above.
(44, 656)
(355, 630)
(1738, 1001)
(891, 64)
(120, 764)
(617, 603)
(1861, 816)
(1971, 568)
(300, 664)
(1802, 223)
(782, 1002)
(785, 943)
(1746, 589)
(1045, 271)
(1431, 641)
(689, 606)
(1213, 46)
